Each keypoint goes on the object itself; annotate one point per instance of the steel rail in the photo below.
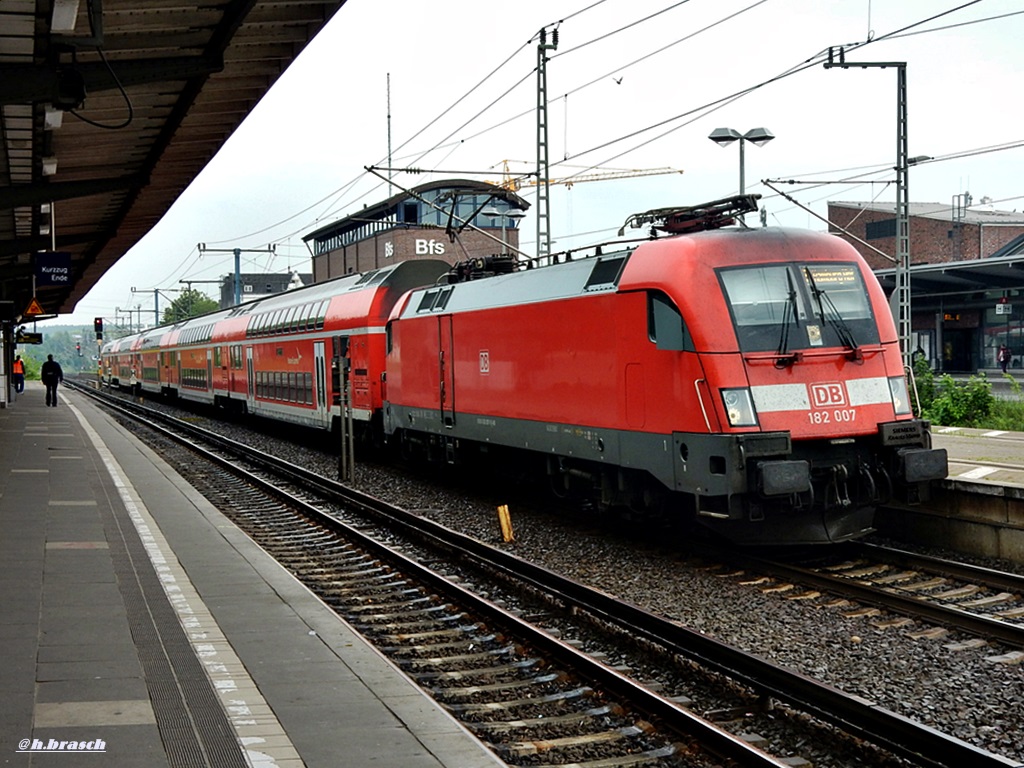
(885, 597)
(1010, 582)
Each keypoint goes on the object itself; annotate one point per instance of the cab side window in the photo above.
(665, 324)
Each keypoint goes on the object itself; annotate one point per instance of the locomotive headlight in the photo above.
(900, 398)
(739, 407)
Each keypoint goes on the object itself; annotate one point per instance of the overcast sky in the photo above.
(634, 84)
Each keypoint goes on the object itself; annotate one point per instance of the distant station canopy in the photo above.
(420, 224)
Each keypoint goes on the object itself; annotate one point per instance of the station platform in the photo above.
(987, 456)
(140, 627)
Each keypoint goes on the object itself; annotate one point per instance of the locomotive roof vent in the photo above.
(694, 218)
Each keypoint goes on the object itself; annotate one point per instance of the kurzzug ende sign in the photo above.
(52, 268)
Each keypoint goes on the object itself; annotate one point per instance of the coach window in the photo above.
(304, 314)
(665, 325)
(321, 313)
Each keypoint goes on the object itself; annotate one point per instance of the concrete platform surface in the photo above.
(140, 627)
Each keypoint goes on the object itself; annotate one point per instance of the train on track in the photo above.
(747, 379)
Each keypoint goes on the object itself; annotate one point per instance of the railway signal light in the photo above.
(97, 325)
(78, 348)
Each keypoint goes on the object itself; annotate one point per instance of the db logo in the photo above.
(485, 361)
(827, 395)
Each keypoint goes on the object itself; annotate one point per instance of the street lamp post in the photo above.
(756, 136)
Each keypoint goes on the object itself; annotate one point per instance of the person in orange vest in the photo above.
(18, 374)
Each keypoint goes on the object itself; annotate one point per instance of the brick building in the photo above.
(416, 226)
(966, 276)
(939, 232)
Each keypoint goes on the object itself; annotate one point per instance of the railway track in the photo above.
(473, 653)
(895, 585)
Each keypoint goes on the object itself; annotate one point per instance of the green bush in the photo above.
(961, 405)
(1008, 413)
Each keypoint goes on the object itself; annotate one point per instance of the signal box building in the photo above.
(419, 226)
(966, 276)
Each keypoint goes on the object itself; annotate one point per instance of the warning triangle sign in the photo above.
(33, 308)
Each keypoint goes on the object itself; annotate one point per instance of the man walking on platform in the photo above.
(52, 374)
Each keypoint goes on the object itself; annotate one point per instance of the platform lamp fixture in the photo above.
(513, 213)
(756, 136)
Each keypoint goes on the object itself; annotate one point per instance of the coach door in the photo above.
(320, 381)
(446, 365)
(250, 382)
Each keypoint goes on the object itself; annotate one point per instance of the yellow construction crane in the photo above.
(515, 183)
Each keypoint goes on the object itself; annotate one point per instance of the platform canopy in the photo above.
(170, 80)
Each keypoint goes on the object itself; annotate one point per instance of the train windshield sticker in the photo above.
(787, 307)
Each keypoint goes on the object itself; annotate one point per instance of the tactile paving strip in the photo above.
(193, 726)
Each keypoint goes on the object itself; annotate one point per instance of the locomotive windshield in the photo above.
(795, 306)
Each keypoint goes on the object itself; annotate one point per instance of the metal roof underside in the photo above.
(960, 277)
(171, 78)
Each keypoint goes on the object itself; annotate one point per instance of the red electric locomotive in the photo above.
(749, 379)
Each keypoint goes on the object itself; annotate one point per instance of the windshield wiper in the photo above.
(828, 312)
(788, 318)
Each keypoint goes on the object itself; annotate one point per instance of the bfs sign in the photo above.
(429, 248)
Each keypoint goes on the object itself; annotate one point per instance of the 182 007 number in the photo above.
(839, 415)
